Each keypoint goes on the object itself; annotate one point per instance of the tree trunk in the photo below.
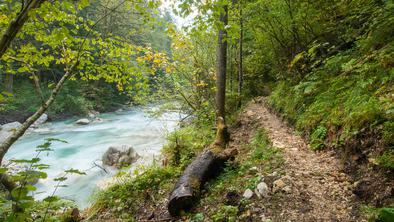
(9, 82)
(240, 56)
(221, 66)
(209, 163)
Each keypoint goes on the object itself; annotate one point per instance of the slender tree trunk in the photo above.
(240, 55)
(231, 68)
(17, 24)
(210, 162)
(9, 82)
(221, 64)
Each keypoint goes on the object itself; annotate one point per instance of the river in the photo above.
(86, 145)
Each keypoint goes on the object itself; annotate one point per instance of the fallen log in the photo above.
(206, 166)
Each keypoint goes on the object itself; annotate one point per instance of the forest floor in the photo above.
(302, 184)
(314, 188)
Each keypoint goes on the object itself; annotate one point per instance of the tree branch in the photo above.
(16, 25)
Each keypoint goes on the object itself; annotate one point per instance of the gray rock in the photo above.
(92, 114)
(248, 194)
(82, 122)
(43, 118)
(11, 126)
(262, 190)
(8, 129)
(253, 169)
(287, 189)
(120, 156)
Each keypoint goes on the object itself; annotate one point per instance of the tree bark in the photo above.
(16, 25)
(221, 65)
(9, 82)
(240, 55)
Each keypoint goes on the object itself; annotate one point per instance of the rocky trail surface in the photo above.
(312, 187)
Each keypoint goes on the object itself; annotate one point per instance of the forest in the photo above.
(164, 110)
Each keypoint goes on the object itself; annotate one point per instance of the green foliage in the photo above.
(387, 159)
(127, 195)
(384, 214)
(238, 175)
(21, 206)
(225, 214)
(317, 138)
(184, 144)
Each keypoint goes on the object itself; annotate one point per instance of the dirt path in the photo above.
(317, 189)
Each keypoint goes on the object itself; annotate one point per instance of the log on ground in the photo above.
(206, 166)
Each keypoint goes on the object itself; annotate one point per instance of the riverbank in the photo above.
(86, 145)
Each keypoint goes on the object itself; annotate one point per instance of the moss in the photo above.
(384, 214)
(225, 214)
(387, 159)
(388, 133)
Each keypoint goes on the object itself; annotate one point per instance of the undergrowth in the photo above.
(147, 186)
(347, 97)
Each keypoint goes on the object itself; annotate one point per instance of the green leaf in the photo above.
(61, 179)
(3, 170)
(51, 199)
(30, 187)
(75, 171)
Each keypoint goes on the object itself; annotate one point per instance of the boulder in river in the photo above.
(8, 129)
(43, 118)
(82, 121)
(120, 156)
(92, 114)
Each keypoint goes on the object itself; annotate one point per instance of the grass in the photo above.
(383, 214)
